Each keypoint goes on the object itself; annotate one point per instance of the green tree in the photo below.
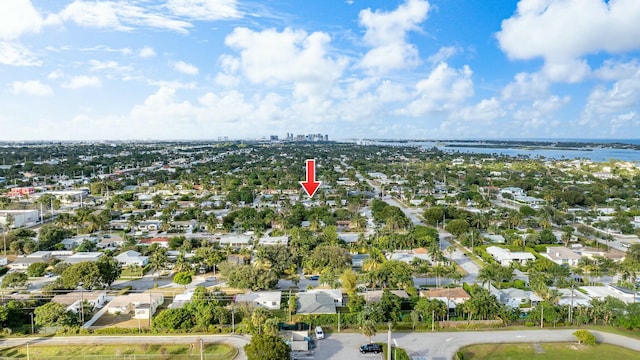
(349, 280)
(267, 347)
(85, 274)
(183, 278)
(434, 215)
(457, 226)
(15, 280)
(37, 269)
(369, 328)
(109, 269)
(53, 314)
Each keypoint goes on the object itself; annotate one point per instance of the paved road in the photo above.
(433, 346)
(443, 345)
(235, 340)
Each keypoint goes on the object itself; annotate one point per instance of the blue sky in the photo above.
(201, 69)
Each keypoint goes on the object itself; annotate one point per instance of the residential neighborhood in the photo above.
(199, 237)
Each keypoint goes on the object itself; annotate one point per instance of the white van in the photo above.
(319, 333)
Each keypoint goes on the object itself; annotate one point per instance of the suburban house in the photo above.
(269, 299)
(70, 243)
(181, 299)
(315, 303)
(602, 292)
(505, 257)
(376, 295)
(149, 225)
(82, 257)
(562, 255)
(131, 258)
(275, 240)
(335, 294)
(517, 298)
(142, 304)
(233, 240)
(450, 296)
(161, 241)
(23, 262)
(111, 242)
(72, 300)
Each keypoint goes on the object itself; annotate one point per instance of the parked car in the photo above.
(211, 279)
(314, 277)
(319, 333)
(370, 348)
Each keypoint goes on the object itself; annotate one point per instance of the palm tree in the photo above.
(158, 260)
(487, 274)
(369, 328)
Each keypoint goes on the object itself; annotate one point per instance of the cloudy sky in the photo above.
(429, 69)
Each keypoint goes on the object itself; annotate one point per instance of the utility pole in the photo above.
(433, 320)
(389, 342)
(201, 349)
(33, 329)
(542, 315)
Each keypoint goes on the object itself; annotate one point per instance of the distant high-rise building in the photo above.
(273, 137)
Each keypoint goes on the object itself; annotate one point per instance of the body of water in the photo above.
(598, 154)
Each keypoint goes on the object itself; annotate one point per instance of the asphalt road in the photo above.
(432, 346)
(443, 345)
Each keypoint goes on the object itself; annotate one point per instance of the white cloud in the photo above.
(55, 75)
(18, 17)
(386, 33)
(282, 58)
(120, 15)
(185, 68)
(204, 9)
(147, 52)
(81, 81)
(603, 104)
(443, 54)
(485, 111)
(32, 87)
(441, 90)
(15, 54)
(562, 32)
(109, 66)
(540, 113)
(613, 70)
(526, 86)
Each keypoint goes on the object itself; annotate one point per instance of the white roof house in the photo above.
(335, 294)
(505, 257)
(82, 257)
(275, 240)
(130, 258)
(269, 299)
(562, 255)
(514, 298)
(143, 304)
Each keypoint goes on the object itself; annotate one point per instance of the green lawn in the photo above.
(547, 351)
(125, 351)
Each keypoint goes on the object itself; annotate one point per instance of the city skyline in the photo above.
(205, 69)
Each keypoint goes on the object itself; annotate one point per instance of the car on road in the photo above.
(314, 277)
(48, 275)
(211, 279)
(319, 333)
(370, 348)
(625, 244)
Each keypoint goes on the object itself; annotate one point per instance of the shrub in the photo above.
(528, 323)
(459, 355)
(586, 337)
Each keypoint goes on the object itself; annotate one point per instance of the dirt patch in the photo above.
(538, 348)
(121, 321)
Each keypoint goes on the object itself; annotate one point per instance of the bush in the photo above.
(529, 324)
(586, 337)
(459, 356)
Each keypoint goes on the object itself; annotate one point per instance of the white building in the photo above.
(562, 255)
(132, 258)
(268, 299)
(143, 304)
(20, 217)
(505, 257)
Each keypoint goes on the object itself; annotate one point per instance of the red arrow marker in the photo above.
(311, 185)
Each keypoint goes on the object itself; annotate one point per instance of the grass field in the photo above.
(125, 351)
(547, 351)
